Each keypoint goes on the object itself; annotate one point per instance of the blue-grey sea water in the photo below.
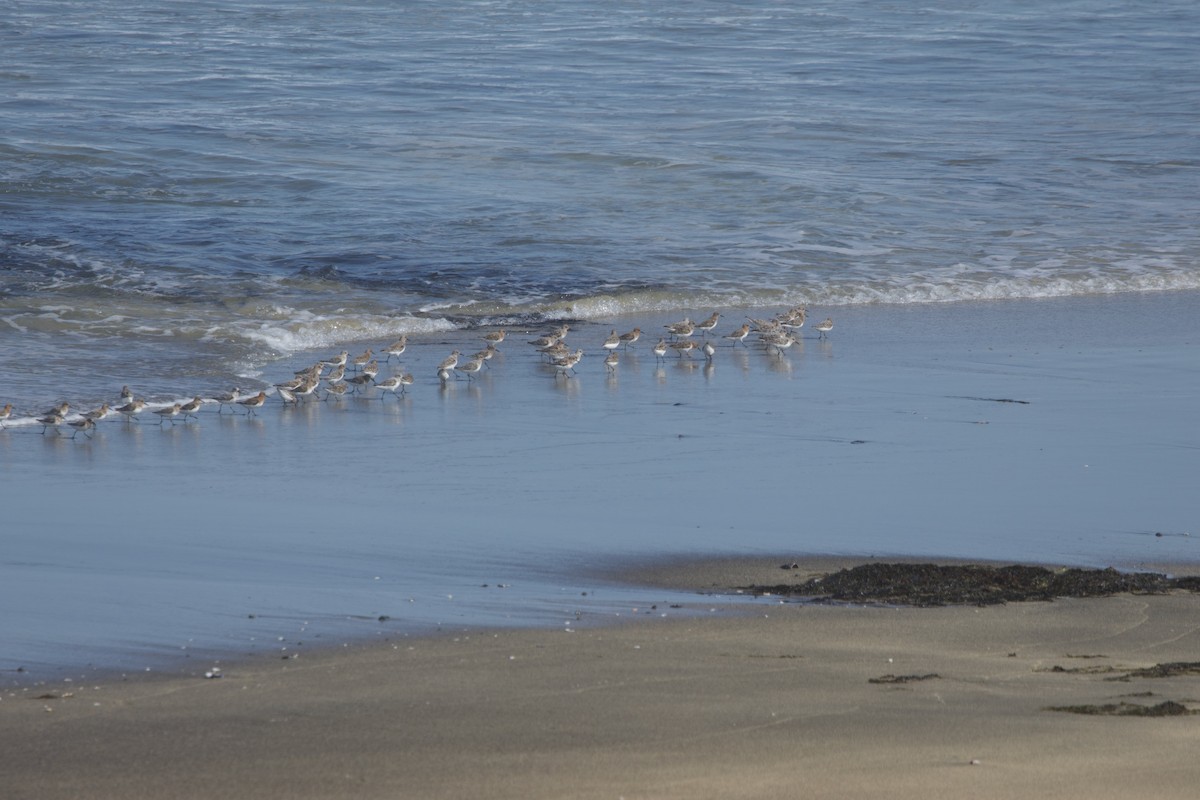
(190, 191)
(997, 201)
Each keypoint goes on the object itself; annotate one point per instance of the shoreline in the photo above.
(313, 522)
(848, 700)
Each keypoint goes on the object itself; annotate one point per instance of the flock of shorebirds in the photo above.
(342, 374)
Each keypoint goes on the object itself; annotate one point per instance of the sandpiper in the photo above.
(190, 408)
(825, 327)
(406, 380)
(359, 381)
(686, 346)
(95, 415)
(778, 341)
(450, 361)
(555, 351)
(335, 390)
(793, 319)
(287, 396)
(339, 360)
(5, 413)
(709, 350)
(168, 413)
(611, 361)
(485, 355)
(51, 420)
(495, 337)
(683, 329)
(62, 409)
(391, 384)
(252, 404)
(660, 349)
(226, 398)
(613, 341)
(739, 336)
(82, 425)
(371, 368)
(470, 368)
(361, 360)
(337, 374)
(132, 408)
(126, 394)
(397, 347)
(708, 324)
(565, 365)
(631, 337)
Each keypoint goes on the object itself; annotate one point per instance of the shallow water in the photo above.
(498, 500)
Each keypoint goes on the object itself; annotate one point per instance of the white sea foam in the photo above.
(315, 333)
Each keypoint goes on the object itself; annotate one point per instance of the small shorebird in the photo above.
(406, 380)
(337, 374)
(764, 325)
(126, 394)
(391, 384)
(359, 381)
(132, 408)
(97, 414)
(470, 368)
(739, 336)
(793, 319)
(660, 349)
(291, 385)
(495, 337)
(396, 348)
(443, 375)
(307, 387)
(335, 390)
(450, 362)
(82, 425)
(709, 350)
(611, 361)
(51, 420)
(252, 404)
(287, 396)
(686, 346)
(339, 360)
(613, 341)
(371, 368)
(5, 413)
(825, 327)
(190, 408)
(542, 342)
(555, 351)
(485, 355)
(62, 409)
(708, 324)
(227, 398)
(683, 329)
(168, 413)
(361, 360)
(631, 337)
(778, 341)
(565, 365)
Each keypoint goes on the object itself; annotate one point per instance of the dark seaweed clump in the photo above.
(938, 585)
(1167, 708)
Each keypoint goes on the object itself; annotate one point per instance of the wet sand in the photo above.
(774, 700)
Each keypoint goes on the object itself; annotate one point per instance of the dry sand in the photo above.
(776, 701)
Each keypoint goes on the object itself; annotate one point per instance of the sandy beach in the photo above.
(786, 699)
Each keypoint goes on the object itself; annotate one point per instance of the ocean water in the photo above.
(191, 193)
(996, 201)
